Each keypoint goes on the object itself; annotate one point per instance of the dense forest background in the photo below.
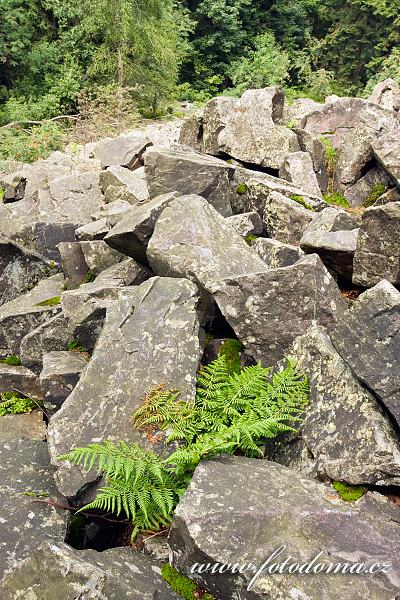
(62, 57)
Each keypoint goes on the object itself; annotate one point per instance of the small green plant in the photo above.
(330, 153)
(11, 403)
(231, 349)
(182, 585)
(349, 493)
(291, 125)
(2, 194)
(11, 360)
(75, 346)
(249, 239)
(302, 201)
(50, 301)
(337, 198)
(241, 189)
(234, 410)
(377, 191)
(89, 277)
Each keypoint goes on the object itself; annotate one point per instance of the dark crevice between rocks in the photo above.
(249, 165)
(391, 492)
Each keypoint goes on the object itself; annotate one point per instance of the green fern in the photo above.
(233, 411)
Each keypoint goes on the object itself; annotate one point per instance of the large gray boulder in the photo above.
(246, 129)
(25, 313)
(268, 310)
(191, 239)
(285, 219)
(55, 570)
(345, 114)
(332, 219)
(368, 338)
(298, 169)
(180, 170)
(336, 249)
(132, 233)
(378, 251)
(281, 517)
(126, 150)
(355, 154)
(323, 447)
(387, 94)
(26, 475)
(154, 332)
(119, 183)
(387, 152)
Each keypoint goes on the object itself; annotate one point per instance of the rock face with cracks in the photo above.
(154, 332)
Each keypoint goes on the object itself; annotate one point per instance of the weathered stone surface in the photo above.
(176, 170)
(22, 315)
(336, 249)
(153, 331)
(282, 508)
(191, 239)
(25, 472)
(13, 186)
(294, 113)
(73, 263)
(268, 310)
(391, 195)
(386, 94)
(245, 128)
(49, 336)
(18, 378)
(126, 150)
(315, 147)
(19, 270)
(60, 374)
(252, 189)
(332, 219)
(277, 254)
(41, 221)
(85, 307)
(285, 219)
(131, 235)
(96, 230)
(355, 154)
(164, 134)
(119, 183)
(247, 223)
(298, 169)
(28, 426)
(191, 131)
(368, 339)
(387, 151)
(99, 256)
(339, 404)
(358, 193)
(345, 114)
(55, 570)
(378, 251)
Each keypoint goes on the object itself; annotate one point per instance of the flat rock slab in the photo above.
(378, 250)
(16, 377)
(125, 150)
(277, 254)
(26, 475)
(336, 249)
(132, 233)
(57, 571)
(25, 313)
(216, 522)
(368, 338)
(191, 239)
(338, 404)
(28, 426)
(268, 310)
(186, 172)
(332, 219)
(150, 337)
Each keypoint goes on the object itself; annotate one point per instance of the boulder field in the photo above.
(123, 266)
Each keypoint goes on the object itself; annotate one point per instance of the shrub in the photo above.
(28, 145)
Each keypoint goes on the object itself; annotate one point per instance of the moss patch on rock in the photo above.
(349, 493)
(182, 585)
